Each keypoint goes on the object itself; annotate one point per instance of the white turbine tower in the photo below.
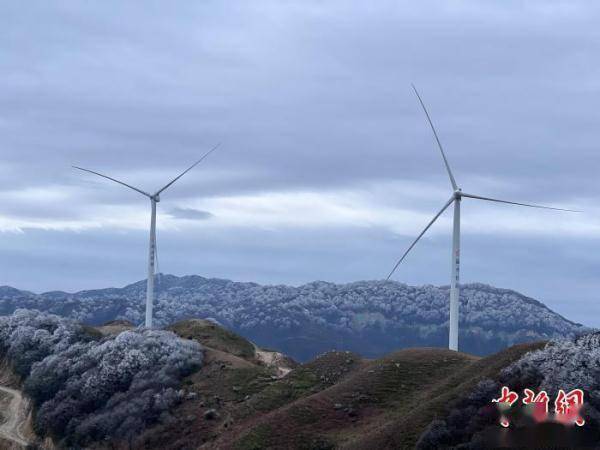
(456, 198)
(154, 199)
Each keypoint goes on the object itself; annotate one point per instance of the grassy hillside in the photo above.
(384, 403)
(215, 337)
(338, 400)
(378, 392)
(402, 427)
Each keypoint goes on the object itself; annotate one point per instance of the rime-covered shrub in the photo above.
(564, 364)
(89, 388)
(28, 336)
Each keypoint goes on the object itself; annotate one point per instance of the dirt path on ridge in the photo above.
(15, 416)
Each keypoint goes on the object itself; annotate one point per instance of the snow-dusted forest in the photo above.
(370, 317)
(87, 387)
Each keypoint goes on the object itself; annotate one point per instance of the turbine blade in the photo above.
(188, 169)
(113, 179)
(515, 203)
(437, 139)
(448, 203)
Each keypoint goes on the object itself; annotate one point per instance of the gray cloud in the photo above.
(190, 213)
(305, 96)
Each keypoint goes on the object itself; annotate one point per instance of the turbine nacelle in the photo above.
(457, 194)
(156, 198)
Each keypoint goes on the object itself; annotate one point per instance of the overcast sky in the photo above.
(327, 168)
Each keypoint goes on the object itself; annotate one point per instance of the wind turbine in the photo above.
(456, 198)
(154, 199)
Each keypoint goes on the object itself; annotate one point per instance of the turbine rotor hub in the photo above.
(458, 194)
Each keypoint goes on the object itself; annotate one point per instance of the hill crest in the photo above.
(369, 317)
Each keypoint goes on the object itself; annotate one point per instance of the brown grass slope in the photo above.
(402, 428)
(114, 327)
(342, 413)
(215, 337)
(386, 403)
(338, 400)
(239, 392)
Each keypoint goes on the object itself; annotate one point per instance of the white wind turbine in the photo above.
(154, 199)
(456, 198)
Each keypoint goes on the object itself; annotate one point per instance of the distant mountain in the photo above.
(368, 317)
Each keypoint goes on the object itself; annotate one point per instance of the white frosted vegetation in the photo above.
(87, 387)
(564, 364)
(392, 314)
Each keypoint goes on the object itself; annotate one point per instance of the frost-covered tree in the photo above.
(87, 387)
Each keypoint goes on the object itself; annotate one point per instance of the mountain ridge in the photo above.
(162, 278)
(369, 317)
